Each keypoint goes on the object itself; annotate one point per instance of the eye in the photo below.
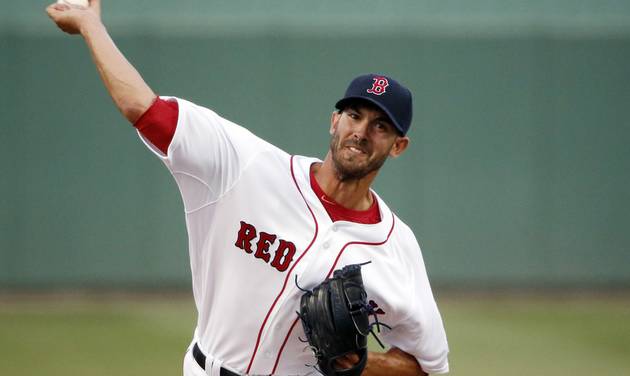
(381, 126)
(353, 115)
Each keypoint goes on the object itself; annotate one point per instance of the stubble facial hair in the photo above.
(346, 170)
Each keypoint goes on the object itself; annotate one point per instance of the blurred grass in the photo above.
(525, 335)
(139, 335)
(95, 336)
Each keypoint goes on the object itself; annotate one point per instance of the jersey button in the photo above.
(335, 228)
(326, 245)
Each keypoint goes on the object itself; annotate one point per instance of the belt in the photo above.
(201, 360)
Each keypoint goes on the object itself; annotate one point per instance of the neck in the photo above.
(352, 194)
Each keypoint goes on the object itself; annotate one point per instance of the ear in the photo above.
(334, 120)
(400, 145)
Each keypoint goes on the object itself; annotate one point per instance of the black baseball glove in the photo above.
(335, 317)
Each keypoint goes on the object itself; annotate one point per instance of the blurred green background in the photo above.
(517, 178)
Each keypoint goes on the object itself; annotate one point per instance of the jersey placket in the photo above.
(310, 271)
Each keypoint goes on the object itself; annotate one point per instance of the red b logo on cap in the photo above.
(379, 86)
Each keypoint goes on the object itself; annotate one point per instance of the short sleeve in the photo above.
(158, 123)
(207, 154)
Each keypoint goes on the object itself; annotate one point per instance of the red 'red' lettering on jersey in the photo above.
(379, 86)
(246, 234)
(262, 247)
(283, 254)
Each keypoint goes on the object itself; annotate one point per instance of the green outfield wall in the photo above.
(518, 172)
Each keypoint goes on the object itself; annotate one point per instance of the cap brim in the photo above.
(342, 102)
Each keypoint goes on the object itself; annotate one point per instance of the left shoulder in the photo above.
(403, 230)
(400, 228)
(403, 236)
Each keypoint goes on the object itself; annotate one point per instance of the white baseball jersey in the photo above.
(254, 225)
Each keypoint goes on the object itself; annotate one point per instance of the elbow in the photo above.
(132, 114)
(133, 110)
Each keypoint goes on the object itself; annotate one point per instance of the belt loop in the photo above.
(216, 367)
(208, 365)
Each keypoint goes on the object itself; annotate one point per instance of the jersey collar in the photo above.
(359, 231)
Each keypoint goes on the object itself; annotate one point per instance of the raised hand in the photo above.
(72, 18)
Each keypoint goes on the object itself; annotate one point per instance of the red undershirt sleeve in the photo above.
(158, 123)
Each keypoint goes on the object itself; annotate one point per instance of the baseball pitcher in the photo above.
(294, 260)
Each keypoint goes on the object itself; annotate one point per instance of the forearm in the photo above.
(393, 362)
(130, 92)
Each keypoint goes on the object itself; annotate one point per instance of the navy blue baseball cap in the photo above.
(386, 93)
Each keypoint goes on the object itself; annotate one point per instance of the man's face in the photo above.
(362, 139)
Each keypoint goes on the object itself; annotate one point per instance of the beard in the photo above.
(354, 167)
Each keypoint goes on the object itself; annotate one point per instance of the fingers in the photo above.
(64, 16)
(57, 7)
(54, 10)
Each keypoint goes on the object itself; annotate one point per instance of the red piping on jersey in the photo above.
(332, 268)
(327, 276)
(275, 365)
(251, 361)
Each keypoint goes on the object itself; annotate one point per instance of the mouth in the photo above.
(356, 150)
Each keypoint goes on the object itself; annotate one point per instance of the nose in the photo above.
(360, 129)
